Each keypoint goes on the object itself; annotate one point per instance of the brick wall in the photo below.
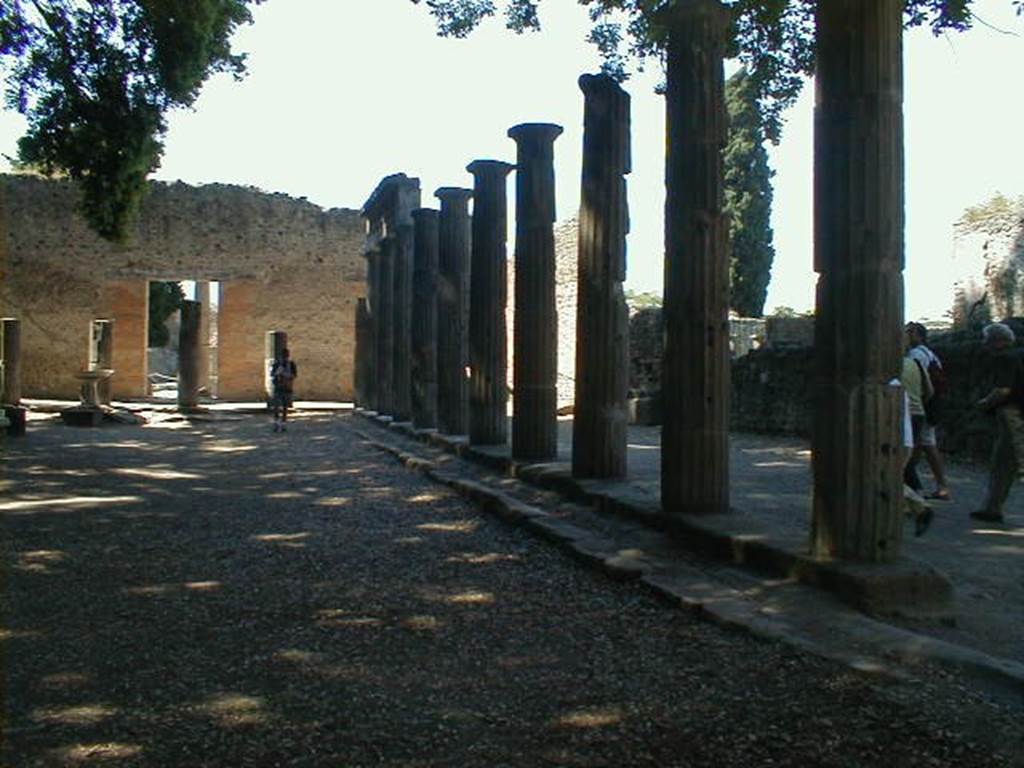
(298, 266)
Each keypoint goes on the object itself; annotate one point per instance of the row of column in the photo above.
(454, 317)
(858, 255)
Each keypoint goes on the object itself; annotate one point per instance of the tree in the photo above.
(95, 80)
(165, 299)
(748, 199)
(774, 39)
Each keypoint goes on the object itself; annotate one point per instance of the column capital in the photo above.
(425, 213)
(490, 168)
(453, 194)
(540, 132)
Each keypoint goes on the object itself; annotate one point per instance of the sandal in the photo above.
(942, 494)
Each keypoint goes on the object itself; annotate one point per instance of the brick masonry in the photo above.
(283, 264)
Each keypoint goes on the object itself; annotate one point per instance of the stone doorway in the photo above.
(163, 360)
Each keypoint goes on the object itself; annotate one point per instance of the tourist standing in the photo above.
(1005, 399)
(926, 441)
(283, 372)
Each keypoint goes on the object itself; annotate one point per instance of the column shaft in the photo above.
(12, 361)
(535, 344)
(188, 354)
(384, 326)
(858, 254)
(402, 366)
(104, 331)
(453, 310)
(488, 297)
(424, 319)
(600, 416)
(695, 376)
(363, 336)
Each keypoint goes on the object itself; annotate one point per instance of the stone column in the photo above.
(695, 375)
(203, 297)
(363, 336)
(12, 360)
(535, 345)
(402, 253)
(383, 326)
(858, 254)
(488, 296)
(103, 338)
(188, 355)
(453, 309)
(274, 344)
(368, 349)
(424, 319)
(600, 414)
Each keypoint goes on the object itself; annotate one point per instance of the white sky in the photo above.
(343, 92)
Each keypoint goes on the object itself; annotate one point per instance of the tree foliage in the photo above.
(748, 199)
(774, 39)
(165, 299)
(95, 79)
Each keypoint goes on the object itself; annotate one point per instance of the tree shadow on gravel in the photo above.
(218, 595)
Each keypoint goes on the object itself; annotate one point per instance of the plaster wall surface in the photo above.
(295, 267)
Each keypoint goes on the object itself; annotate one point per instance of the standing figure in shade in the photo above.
(925, 441)
(1005, 399)
(282, 376)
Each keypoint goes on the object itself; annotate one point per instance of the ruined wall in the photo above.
(297, 265)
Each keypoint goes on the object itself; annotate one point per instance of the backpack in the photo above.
(282, 373)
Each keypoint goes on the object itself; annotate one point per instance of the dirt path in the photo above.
(212, 594)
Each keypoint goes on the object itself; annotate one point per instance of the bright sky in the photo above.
(340, 94)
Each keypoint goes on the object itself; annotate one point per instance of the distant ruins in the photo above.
(280, 264)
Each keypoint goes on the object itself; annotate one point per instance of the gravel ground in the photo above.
(213, 594)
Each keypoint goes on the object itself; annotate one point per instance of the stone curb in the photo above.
(724, 606)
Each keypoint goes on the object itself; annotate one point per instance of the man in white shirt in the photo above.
(926, 443)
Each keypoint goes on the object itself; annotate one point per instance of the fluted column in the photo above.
(12, 361)
(488, 297)
(363, 343)
(535, 345)
(188, 354)
(368, 348)
(858, 254)
(695, 374)
(424, 319)
(384, 326)
(453, 309)
(203, 297)
(600, 416)
(401, 385)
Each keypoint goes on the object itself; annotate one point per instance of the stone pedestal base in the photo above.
(16, 417)
(82, 416)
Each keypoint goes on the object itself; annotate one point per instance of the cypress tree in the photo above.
(748, 198)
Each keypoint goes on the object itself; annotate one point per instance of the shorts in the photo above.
(282, 399)
(926, 435)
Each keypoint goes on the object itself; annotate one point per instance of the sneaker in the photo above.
(276, 426)
(988, 517)
(283, 428)
(941, 494)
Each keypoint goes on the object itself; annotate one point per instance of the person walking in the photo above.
(915, 385)
(925, 440)
(283, 372)
(1005, 400)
